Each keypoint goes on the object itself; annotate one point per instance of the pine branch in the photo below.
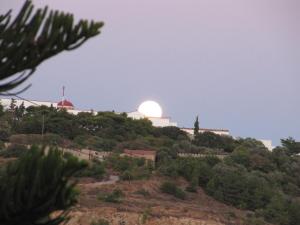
(34, 37)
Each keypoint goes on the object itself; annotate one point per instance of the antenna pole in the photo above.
(63, 97)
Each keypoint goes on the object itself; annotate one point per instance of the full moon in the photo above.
(150, 109)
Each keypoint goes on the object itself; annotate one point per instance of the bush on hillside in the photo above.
(14, 151)
(212, 140)
(114, 197)
(171, 189)
(95, 170)
(37, 185)
(130, 168)
(94, 143)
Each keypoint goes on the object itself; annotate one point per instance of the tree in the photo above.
(196, 126)
(1, 109)
(32, 38)
(12, 106)
(37, 185)
(292, 147)
(20, 111)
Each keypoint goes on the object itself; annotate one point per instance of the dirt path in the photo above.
(112, 180)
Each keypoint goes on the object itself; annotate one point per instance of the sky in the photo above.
(235, 63)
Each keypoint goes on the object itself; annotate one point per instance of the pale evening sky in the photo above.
(235, 63)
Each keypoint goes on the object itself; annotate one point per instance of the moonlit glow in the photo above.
(150, 109)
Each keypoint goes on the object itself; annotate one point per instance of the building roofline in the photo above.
(206, 129)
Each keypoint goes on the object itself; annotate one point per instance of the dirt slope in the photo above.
(155, 209)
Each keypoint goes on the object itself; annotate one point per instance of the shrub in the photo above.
(35, 186)
(127, 175)
(211, 140)
(95, 170)
(94, 142)
(13, 151)
(172, 189)
(114, 197)
(130, 168)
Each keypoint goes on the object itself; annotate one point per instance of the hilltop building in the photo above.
(190, 131)
(158, 120)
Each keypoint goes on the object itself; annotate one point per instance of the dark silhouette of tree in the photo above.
(292, 147)
(36, 185)
(34, 37)
(196, 126)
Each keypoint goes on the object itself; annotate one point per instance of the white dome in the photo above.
(150, 109)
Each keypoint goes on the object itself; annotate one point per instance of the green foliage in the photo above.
(194, 182)
(211, 140)
(30, 39)
(95, 170)
(276, 211)
(5, 127)
(35, 186)
(196, 126)
(235, 186)
(292, 147)
(114, 197)
(172, 189)
(174, 133)
(105, 131)
(1, 109)
(130, 168)
(165, 155)
(14, 151)
(95, 143)
(251, 178)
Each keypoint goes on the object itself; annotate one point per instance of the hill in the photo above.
(144, 203)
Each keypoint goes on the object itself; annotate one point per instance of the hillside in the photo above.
(153, 208)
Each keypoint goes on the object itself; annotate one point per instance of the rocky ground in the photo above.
(155, 208)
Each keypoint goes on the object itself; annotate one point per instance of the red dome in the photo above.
(65, 103)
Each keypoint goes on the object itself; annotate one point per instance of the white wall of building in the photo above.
(267, 144)
(156, 121)
(202, 130)
(6, 103)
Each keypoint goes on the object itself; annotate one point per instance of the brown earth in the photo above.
(155, 209)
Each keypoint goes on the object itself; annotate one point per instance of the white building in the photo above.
(268, 144)
(190, 131)
(6, 102)
(156, 121)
